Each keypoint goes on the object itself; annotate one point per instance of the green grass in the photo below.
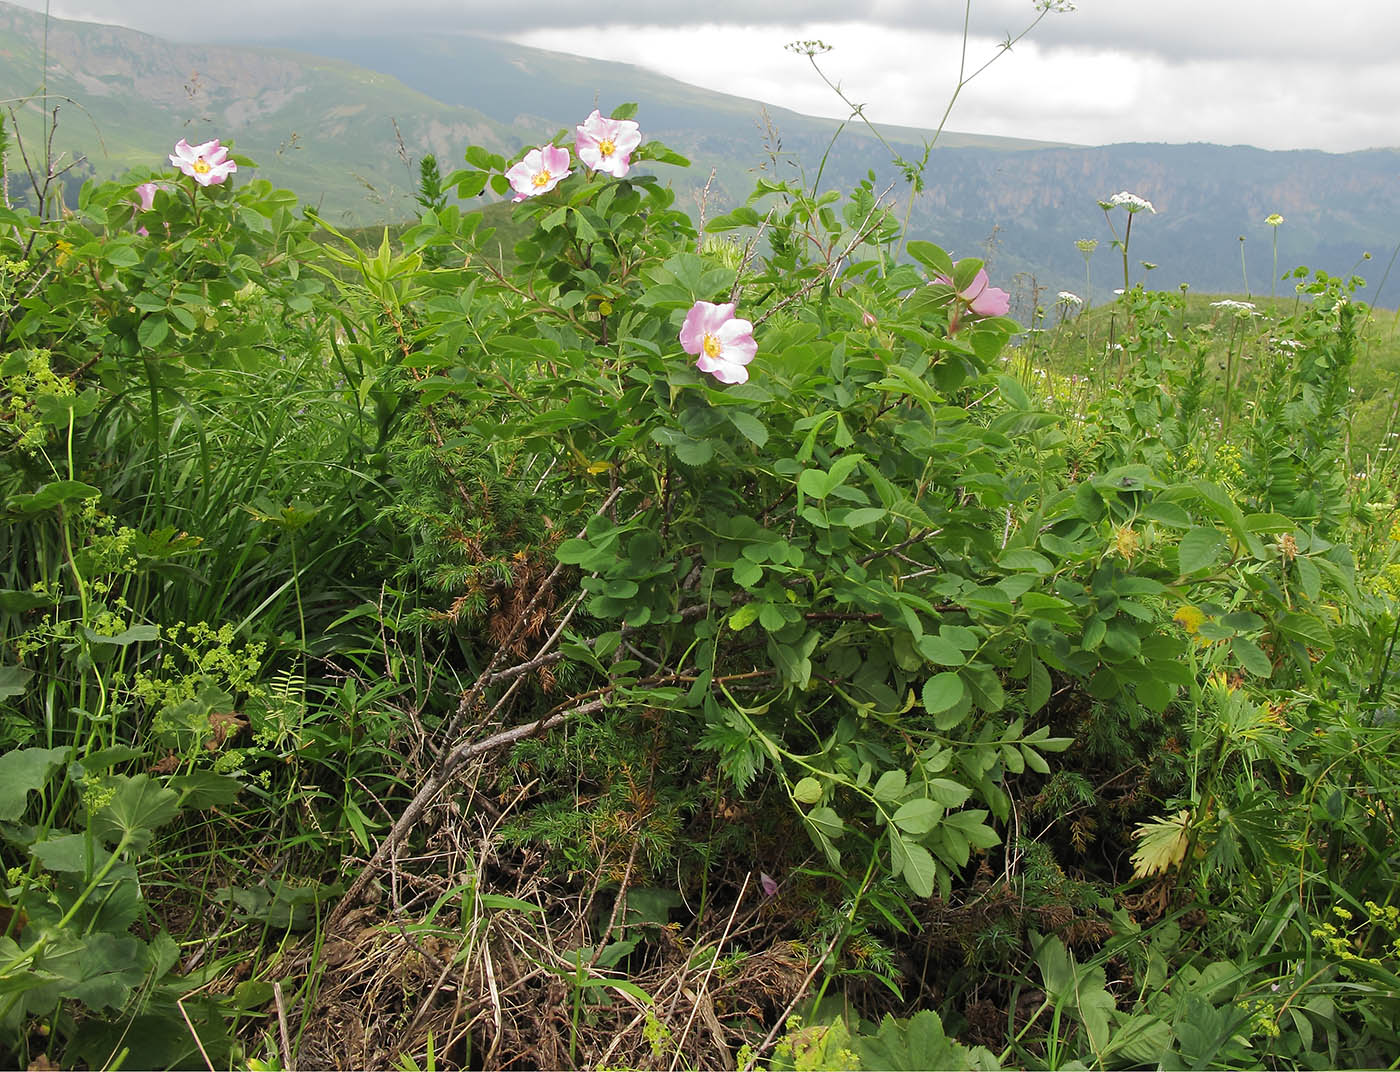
(1081, 343)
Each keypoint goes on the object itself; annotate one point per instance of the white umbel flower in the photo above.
(1131, 202)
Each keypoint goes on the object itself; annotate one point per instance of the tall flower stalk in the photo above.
(1132, 204)
(1239, 310)
(913, 171)
(1274, 220)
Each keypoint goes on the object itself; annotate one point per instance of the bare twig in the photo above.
(282, 1035)
(474, 693)
(695, 1008)
(832, 267)
(180, 1004)
(617, 907)
(704, 199)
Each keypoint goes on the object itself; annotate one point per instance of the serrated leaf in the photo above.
(1161, 844)
(66, 852)
(917, 816)
(890, 785)
(942, 691)
(694, 452)
(137, 634)
(205, 789)
(919, 870)
(13, 681)
(865, 515)
(749, 426)
(100, 970)
(1037, 687)
(743, 617)
(947, 792)
(51, 495)
(747, 573)
(138, 807)
(939, 650)
(1200, 549)
(23, 770)
(1251, 656)
(814, 483)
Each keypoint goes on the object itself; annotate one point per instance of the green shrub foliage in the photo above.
(258, 479)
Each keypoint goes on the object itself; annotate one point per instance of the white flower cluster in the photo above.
(1065, 297)
(1132, 202)
(1241, 307)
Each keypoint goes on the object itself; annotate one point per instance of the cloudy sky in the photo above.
(1279, 74)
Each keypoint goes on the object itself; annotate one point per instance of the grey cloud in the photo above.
(1172, 29)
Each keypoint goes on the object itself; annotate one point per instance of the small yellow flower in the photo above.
(1189, 618)
(1126, 541)
(1273, 219)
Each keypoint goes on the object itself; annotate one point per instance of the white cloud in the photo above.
(1053, 93)
(1274, 73)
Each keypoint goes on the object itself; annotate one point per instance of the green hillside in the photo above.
(342, 136)
(347, 132)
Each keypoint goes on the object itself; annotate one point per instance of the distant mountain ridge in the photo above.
(343, 119)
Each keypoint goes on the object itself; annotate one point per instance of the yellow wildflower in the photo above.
(1189, 618)
(1126, 541)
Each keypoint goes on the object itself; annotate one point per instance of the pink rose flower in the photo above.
(145, 198)
(607, 144)
(981, 299)
(541, 171)
(207, 164)
(723, 344)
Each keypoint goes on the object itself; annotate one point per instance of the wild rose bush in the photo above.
(838, 549)
(820, 561)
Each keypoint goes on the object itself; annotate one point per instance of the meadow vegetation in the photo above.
(634, 644)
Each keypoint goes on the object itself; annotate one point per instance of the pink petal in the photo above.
(729, 373)
(992, 302)
(693, 330)
(628, 138)
(978, 284)
(204, 150)
(556, 160)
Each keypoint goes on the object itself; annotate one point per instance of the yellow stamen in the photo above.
(542, 178)
(606, 147)
(711, 345)
(201, 166)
